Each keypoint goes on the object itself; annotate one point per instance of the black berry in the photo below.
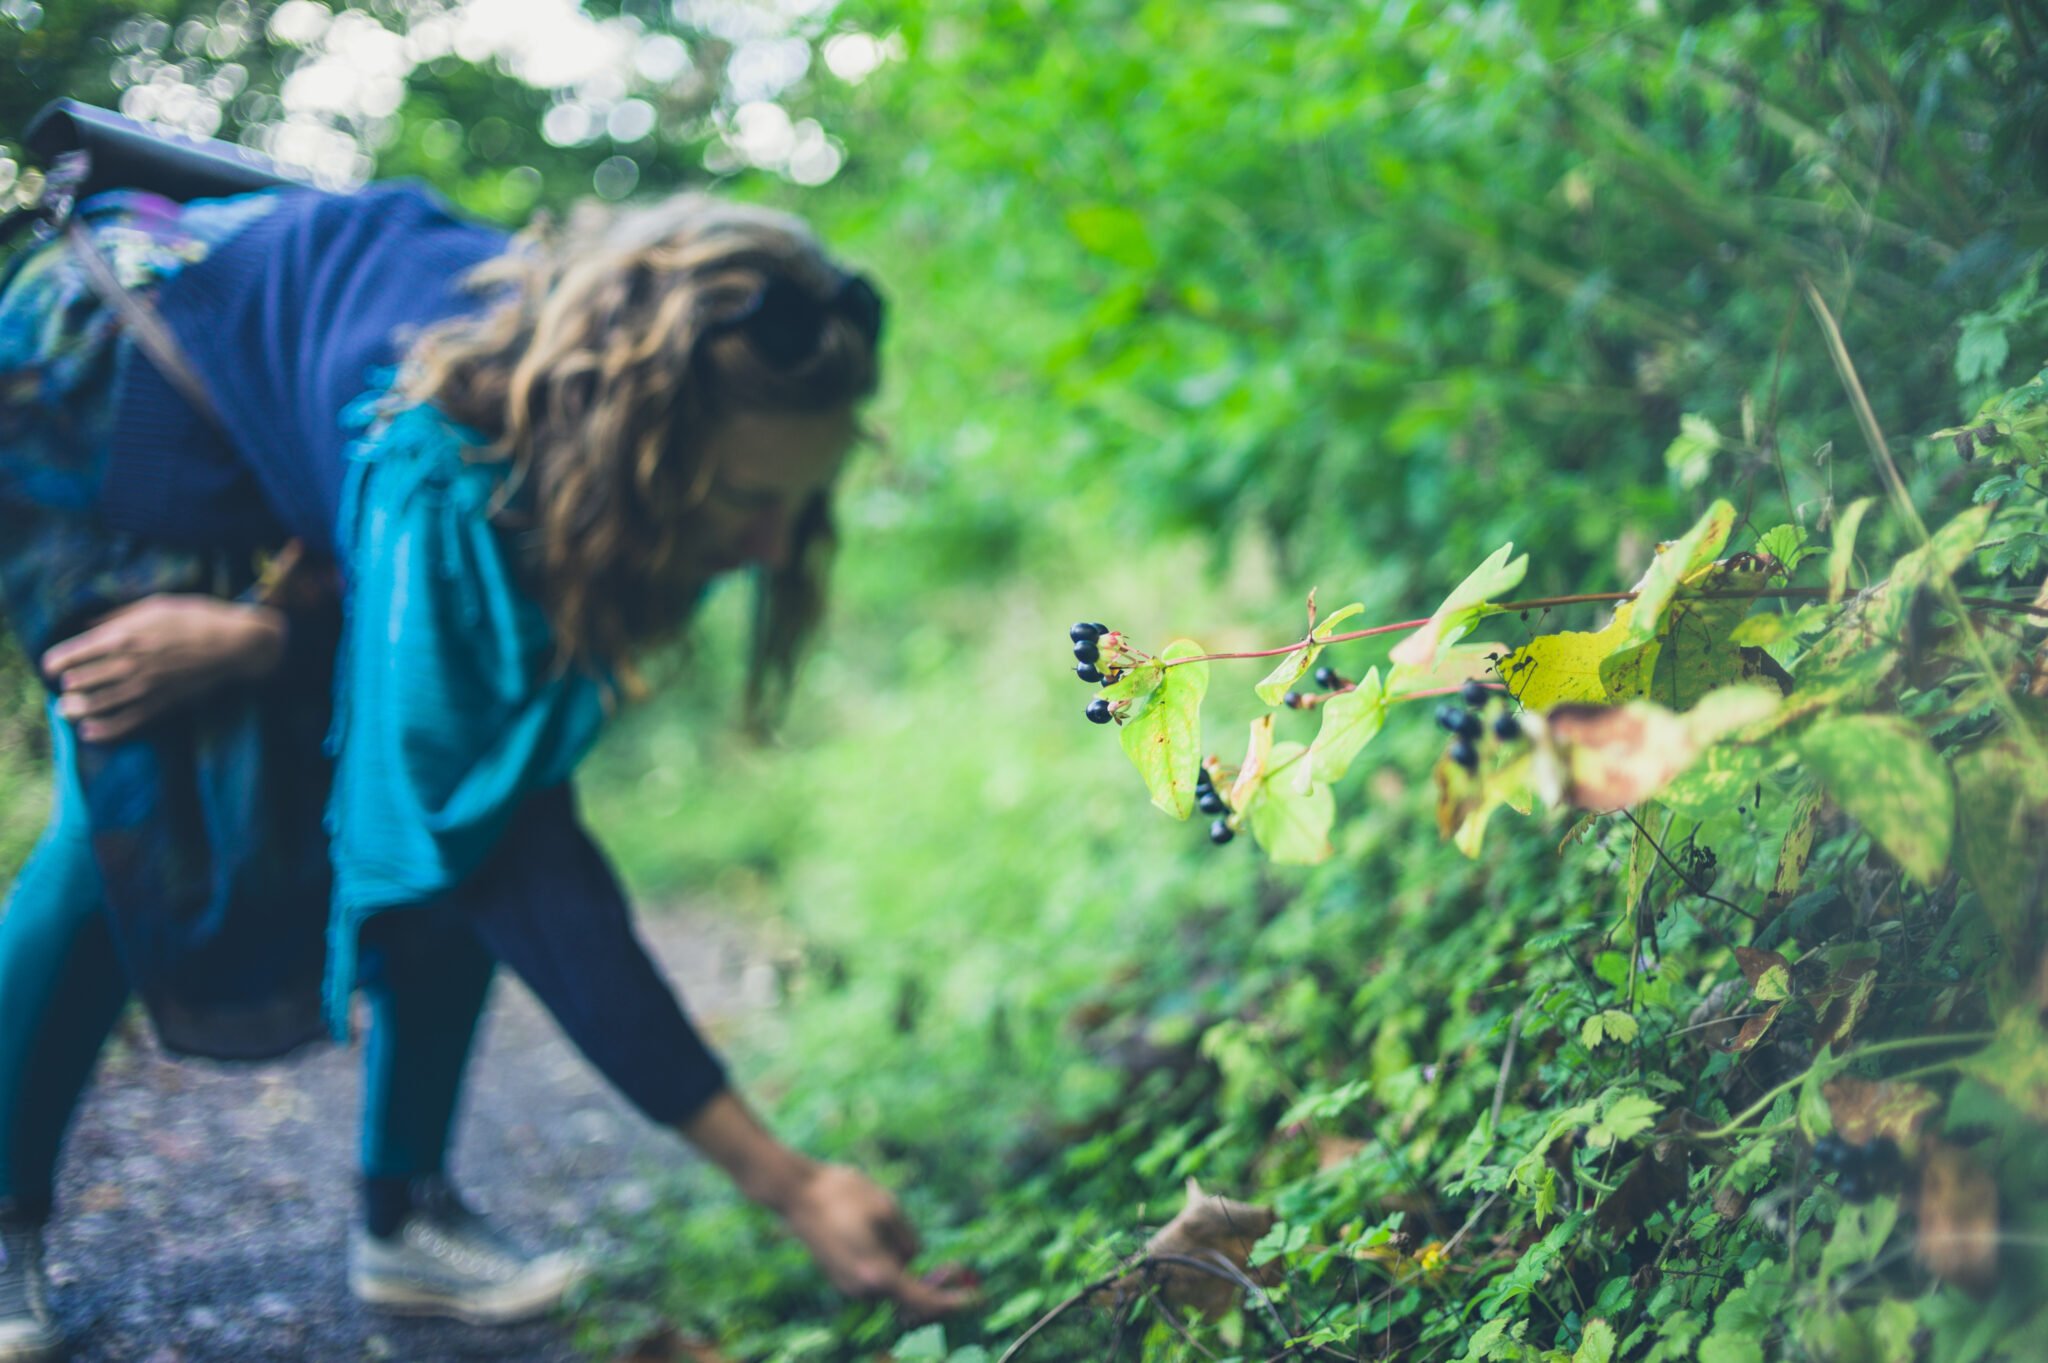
(1470, 726)
(1292, 700)
(1203, 781)
(1209, 802)
(1087, 673)
(1830, 1151)
(1099, 627)
(1464, 754)
(1855, 1185)
(1098, 710)
(1448, 718)
(1475, 695)
(1221, 832)
(1507, 728)
(1080, 632)
(1086, 651)
(1326, 677)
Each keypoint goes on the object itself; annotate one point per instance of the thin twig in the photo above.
(1683, 878)
(1507, 1062)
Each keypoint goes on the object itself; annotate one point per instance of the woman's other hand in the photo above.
(148, 658)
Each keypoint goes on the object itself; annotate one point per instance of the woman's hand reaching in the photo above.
(852, 1227)
(862, 1241)
(148, 658)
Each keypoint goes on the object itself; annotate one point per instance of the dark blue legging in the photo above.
(546, 904)
(61, 991)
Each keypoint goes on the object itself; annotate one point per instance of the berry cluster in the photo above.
(1087, 639)
(1210, 801)
(1465, 724)
(1861, 1171)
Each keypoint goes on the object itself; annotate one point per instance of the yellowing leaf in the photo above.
(1596, 1345)
(1564, 668)
(1675, 562)
(1880, 769)
(1162, 730)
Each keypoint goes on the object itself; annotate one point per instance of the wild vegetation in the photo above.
(1732, 1048)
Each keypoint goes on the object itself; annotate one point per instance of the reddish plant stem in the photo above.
(1585, 599)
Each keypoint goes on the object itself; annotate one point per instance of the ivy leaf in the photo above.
(1883, 773)
(1351, 719)
(1292, 667)
(1842, 551)
(1463, 608)
(1162, 731)
(1675, 562)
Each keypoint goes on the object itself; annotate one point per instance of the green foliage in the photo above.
(1202, 303)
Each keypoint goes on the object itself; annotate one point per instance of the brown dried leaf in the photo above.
(1332, 1151)
(1604, 758)
(1215, 1230)
(1754, 1029)
(1958, 1236)
(1865, 1111)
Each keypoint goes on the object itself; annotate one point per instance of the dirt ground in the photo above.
(203, 1210)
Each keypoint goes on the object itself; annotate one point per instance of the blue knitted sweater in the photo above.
(286, 324)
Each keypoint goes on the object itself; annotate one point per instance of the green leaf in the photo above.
(1786, 543)
(1675, 562)
(1351, 719)
(1842, 553)
(1933, 562)
(1860, 1233)
(1463, 608)
(1113, 232)
(1162, 731)
(1611, 1025)
(1292, 825)
(1883, 773)
(1691, 454)
(1596, 1345)
(926, 1344)
(2002, 822)
(1627, 1115)
(1295, 665)
(1774, 985)
(1982, 349)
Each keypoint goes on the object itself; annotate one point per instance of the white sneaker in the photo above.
(445, 1260)
(28, 1333)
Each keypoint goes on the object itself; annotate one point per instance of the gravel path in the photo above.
(203, 1210)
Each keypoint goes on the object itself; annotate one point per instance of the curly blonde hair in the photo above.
(596, 374)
